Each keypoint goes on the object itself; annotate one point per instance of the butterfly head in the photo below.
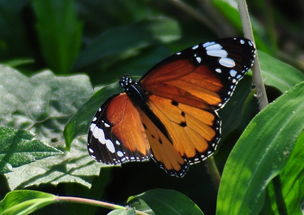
(125, 82)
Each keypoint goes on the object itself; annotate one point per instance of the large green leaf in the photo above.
(127, 39)
(19, 147)
(22, 202)
(101, 15)
(279, 74)
(261, 153)
(292, 181)
(165, 202)
(74, 166)
(42, 104)
(59, 32)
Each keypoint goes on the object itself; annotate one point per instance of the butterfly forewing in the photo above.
(205, 73)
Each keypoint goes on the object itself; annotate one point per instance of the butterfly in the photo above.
(170, 114)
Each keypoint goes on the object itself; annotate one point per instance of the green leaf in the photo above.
(292, 180)
(19, 147)
(108, 13)
(261, 153)
(79, 123)
(140, 64)
(22, 202)
(165, 202)
(42, 104)
(120, 41)
(141, 205)
(129, 211)
(279, 74)
(59, 32)
(74, 166)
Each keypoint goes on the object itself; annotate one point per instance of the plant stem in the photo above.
(95, 203)
(257, 77)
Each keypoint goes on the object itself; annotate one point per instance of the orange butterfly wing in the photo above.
(163, 152)
(118, 136)
(204, 75)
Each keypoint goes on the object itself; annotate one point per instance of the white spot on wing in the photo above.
(99, 135)
(106, 125)
(92, 127)
(242, 41)
(232, 72)
(117, 142)
(208, 44)
(227, 62)
(215, 46)
(120, 154)
(198, 59)
(178, 53)
(110, 146)
(195, 47)
(217, 53)
(91, 150)
(218, 70)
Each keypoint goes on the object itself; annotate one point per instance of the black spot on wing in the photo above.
(175, 103)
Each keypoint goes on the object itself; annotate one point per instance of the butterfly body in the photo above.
(139, 98)
(170, 114)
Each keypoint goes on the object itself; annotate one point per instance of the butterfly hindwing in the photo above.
(116, 134)
(194, 132)
(163, 152)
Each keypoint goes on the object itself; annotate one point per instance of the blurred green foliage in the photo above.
(61, 59)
